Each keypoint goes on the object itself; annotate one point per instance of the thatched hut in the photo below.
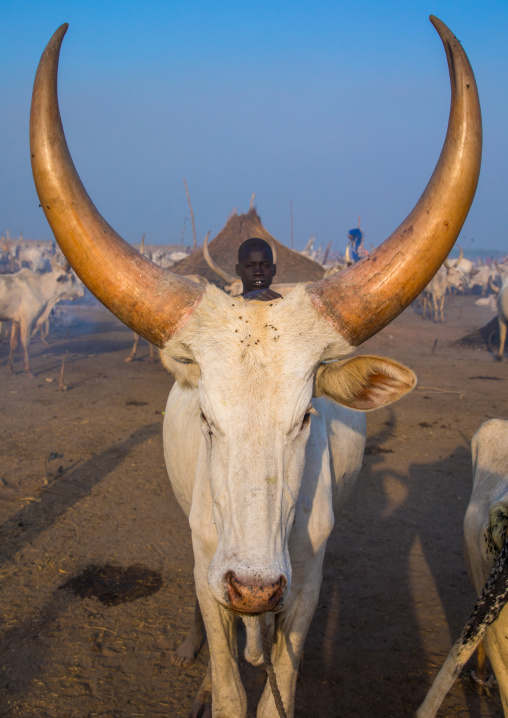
(291, 266)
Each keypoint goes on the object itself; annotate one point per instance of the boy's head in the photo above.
(255, 265)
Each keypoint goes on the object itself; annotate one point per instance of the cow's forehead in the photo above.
(272, 339)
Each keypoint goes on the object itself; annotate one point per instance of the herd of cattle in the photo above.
(264, 429)
(43, 277)
(34, 276)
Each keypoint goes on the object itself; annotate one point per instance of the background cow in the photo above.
(28, 297)
(502, 314)
(485, 534)
(433, 295)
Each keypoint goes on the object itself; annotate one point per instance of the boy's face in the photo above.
(256, 270)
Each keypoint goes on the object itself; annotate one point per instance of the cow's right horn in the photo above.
(364, 298)
(152, 301)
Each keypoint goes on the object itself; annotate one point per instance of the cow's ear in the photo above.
(185, 371)
(364, 382)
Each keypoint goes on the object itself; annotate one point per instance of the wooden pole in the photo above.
(194, 242)
(61, 385)
(183, 230)
(327, 251)
(252, 201)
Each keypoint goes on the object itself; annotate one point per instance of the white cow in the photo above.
(27, 298)
(485, 533)
(263, 432)
(433, 295)
(33, 257)
(334, 268)
(502, 314)
(242, 500)
(482, 277)
(486, 556)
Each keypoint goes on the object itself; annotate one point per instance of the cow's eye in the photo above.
(205, 423)
(306, 417)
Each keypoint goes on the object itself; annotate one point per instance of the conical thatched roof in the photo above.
(291, 266)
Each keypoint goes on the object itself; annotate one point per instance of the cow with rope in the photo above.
(265, 427)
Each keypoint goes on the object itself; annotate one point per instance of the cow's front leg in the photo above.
(291, 630)
(202, 706)
(228, 694)
(13, 346)
(25, 331)
(134, 349)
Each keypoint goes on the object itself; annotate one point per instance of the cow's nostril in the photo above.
(253, 597)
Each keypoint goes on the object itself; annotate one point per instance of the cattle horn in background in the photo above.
(459, 260)
(152, 301)
(215, 267)
(274, 252)
(364, 298)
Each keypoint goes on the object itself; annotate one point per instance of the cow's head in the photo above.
(455, 276)
(258, 365)
(67, 285)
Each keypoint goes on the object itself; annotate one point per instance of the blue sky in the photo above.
(339, 107)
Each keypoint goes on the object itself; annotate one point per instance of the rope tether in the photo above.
(267, 649)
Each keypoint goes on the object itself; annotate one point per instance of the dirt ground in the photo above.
(83, 485)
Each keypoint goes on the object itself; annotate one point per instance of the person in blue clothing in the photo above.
(355, 238)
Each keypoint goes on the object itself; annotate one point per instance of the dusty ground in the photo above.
(83, 484)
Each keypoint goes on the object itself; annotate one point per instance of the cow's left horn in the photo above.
(152, 301)
(363, 299)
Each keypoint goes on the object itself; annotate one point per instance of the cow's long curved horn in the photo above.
(493, 286)
(274, 252)
(366, 297)
(152, 301)
(214, 266)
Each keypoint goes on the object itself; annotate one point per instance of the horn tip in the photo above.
(60, 32)
(57, 38)
(440, 26)
(442, 29)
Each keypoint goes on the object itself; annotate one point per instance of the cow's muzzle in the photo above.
(252, 597)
